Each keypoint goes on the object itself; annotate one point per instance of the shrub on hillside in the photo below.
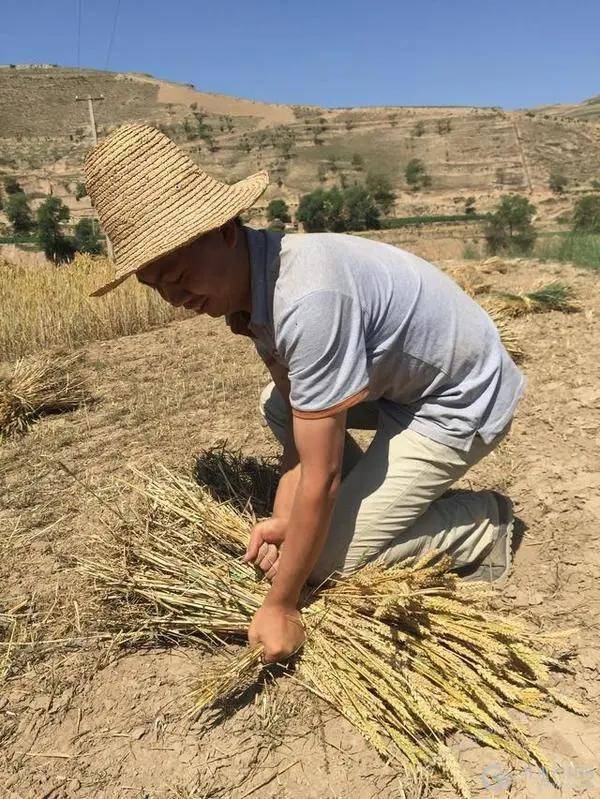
(12, 186)
(416, 174)
(80, 191)
(586, 214)
(510, 228)
(557, 182)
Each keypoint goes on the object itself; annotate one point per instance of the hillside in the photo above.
(44, 134)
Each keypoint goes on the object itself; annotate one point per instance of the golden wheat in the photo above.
(407, 654)
(50, 305)
(38, 386)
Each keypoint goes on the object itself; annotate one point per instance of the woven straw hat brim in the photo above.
(153, 199)
(246, 193)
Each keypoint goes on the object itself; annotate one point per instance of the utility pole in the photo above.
(90, 102)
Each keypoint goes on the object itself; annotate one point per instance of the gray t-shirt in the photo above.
(354, 319)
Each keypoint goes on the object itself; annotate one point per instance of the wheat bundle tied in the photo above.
(37, 386)
(407, 654)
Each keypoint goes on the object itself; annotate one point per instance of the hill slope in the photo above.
(44, 134)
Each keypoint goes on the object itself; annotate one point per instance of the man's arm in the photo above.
(319, 443)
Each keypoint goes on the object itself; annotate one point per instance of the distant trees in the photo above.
(557, 182)
(18, 212)
(278, 209)
(586, 214)
(351, 208)
(381, 189)
(56, 245)
(87, 237)
(416, 174)
(510, 227)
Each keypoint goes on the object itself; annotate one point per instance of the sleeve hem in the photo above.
(334, 409)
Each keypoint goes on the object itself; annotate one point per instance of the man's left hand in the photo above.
(279, 629)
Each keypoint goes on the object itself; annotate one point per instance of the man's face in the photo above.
(205, 276)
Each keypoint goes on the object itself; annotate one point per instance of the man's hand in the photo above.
(263, 549)
(279, 629)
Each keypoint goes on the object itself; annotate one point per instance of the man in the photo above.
(356, 334)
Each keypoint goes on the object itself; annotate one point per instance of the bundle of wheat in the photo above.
(502, 319)
(37, 386)
(407, 654)
(555, 296)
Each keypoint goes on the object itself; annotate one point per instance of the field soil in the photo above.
(83, 717)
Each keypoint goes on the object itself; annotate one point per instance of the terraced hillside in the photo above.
(44, 134)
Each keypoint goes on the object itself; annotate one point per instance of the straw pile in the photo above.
(555, 296)
(37, 386)
(407, 654)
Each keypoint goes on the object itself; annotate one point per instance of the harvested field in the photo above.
(84, 713)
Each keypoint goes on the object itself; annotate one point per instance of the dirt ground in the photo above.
(81, 718)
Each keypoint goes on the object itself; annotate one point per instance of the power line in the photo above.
(78, 33)
(112, 35)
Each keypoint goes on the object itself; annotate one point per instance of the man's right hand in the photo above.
(265, 540)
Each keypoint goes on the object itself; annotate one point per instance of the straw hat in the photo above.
(152, 198)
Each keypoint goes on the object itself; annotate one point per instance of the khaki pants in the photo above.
(390, 502)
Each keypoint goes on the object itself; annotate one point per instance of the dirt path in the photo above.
(77, 721)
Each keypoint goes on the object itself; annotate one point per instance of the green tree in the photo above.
(80, 191)
(320, 209)
(278, 209)
(19, 213)
(352, 208)
(50, 216)
(557, 182)
(382, 191)
(586, 214)
(12, 186)
(86, 238)
(358, 161)
(360, 209)
(416, 174)
(510, 227)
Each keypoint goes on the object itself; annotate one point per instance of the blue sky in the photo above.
(513, 53)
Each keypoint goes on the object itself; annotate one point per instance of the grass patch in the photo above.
(47, 305)
(582, 249)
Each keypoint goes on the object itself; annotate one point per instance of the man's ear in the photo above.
(230, 233)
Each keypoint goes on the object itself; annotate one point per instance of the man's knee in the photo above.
(273, 409)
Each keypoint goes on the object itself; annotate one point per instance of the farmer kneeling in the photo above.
(356, 334)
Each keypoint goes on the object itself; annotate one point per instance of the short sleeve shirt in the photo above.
(354, 319)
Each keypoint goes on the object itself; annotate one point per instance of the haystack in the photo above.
(407, 654)
(37, 386)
